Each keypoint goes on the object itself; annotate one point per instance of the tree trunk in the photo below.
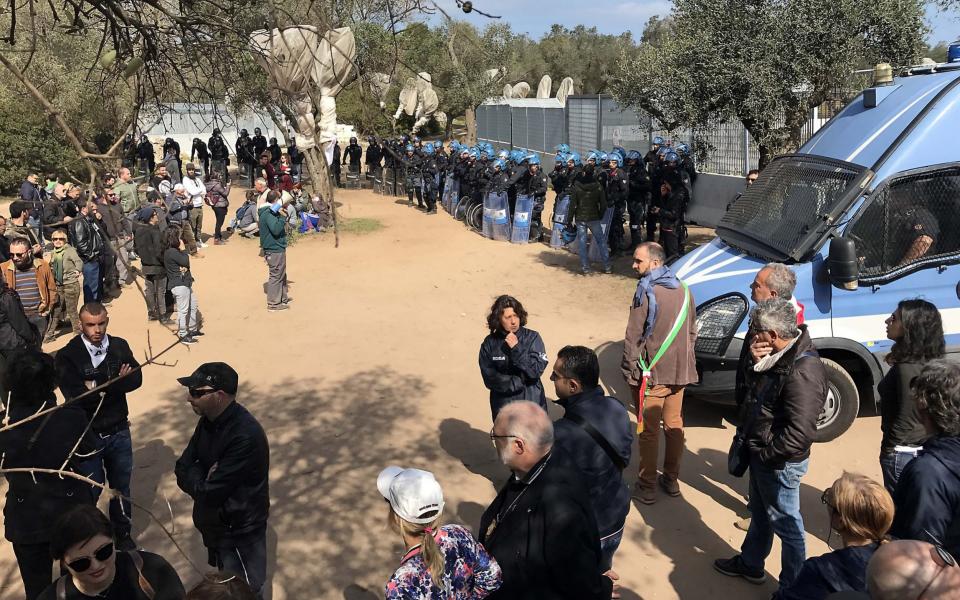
(470, 115)
(766, 155)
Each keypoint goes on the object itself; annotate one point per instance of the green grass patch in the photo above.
(360, 226)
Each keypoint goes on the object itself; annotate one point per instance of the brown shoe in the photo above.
(670, 486)
(644, 494)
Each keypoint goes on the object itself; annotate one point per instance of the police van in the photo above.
(866, 213)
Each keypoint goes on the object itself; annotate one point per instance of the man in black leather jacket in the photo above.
(225, 469)
(86, 237)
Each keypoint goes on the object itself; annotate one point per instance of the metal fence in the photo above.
(598, 122)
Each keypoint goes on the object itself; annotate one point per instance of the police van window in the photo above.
(914, 220)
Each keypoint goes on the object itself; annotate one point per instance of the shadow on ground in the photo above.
(328, 439)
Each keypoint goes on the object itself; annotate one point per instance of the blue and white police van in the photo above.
(866, 213)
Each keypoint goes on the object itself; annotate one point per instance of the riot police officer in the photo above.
(353, 152)
(199, 150)
(534, 184)
(146, 160)
(429, 174)
(219, 153)
(412, 179)
(275, 152)
(172, 144)
(639, 196)
(617, 186)
(259, 142)
(245, 156)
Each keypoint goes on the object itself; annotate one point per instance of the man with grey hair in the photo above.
(927, 496)
(541, 527)
(785, 390)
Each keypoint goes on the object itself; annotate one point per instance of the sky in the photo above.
(615, 16)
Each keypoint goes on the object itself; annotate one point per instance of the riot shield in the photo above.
(560, 208)
(593, 251)
(451, 191)
(496, 216)
(522, 212)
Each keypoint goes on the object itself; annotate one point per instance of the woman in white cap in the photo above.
(440, 563)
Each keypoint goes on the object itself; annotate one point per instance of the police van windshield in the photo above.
(778, 216)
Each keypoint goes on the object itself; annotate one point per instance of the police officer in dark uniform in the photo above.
(275, 152)
(534, 184)
(219, 153)
(129, 151)
(412, 177)
(199, 149)
(430, 173)
(244, 152)
(259, 142)
(374, 157)
(353, 153)
(617, 186)
(171, 143)
(558, 176)
(639, 196)
(145, 156)
(335, 164)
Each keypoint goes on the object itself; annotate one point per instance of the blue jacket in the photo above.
(609, 495)
(927, 497)
(838, 571)
(513, 373)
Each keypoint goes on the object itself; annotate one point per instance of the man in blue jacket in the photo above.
(595, 432)
(927, 497)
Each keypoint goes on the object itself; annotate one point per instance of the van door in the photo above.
(908, 239)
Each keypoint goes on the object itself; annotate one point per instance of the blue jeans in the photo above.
(608, 547)
(892, 465)
(247, 559)
(596, 230)
(91, 281)
(113, 459)
(775, 509)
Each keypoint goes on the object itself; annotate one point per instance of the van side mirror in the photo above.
(843, 264)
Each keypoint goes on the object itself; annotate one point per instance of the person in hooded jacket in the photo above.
(199, 150)
(34, 502)
(927, 495)
(512, 357)
(596, 433)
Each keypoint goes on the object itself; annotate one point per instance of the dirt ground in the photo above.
(376, 364)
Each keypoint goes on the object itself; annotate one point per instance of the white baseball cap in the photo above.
(412, 493)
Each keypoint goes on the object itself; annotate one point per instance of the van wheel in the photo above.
(841, 406)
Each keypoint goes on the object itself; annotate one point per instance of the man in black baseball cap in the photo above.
(225, 469)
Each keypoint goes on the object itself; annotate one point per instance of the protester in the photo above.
(246, 220)
(33, 281)
(196, 192)
(913, 570)
(588, 203)
(265, 170)
(273, 242)
(54, 212)
(540, 528)
(439, 562)
(225, 469)
(179, 216)
(18, 226)
(86, 238)
(786, 391)
(917, 333)
(118, 232)
(31, 195)
(657, 364)
(89, 360)
(221, 586)
(512, 357)
(149, 243)
(67, 271)
(176, 262)
(927, 495)
(218, 196)
(35, 500)
(97, 568)
(126, 191)
(596, 433)
(861, 512)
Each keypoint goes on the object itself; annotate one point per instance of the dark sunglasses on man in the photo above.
(102, 554)
(200, 392)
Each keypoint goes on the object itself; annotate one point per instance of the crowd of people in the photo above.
(555, 526)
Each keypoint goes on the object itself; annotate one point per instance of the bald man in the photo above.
(912, 570)
(541, 526)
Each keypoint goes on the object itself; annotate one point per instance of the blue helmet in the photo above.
(615, 157)
(500, 164)
(662, 151)
(409, 148)
(503, 154)
(683, 149)
(575, 157)
(533, 159)
(563, 149)
(619, 150)
(604, 157)
(489, 148)
(474, 153)
(561, 158)
(593, 155)
(633, 155)
(658, 141)
(515, 156)
(428, 148)
(671, 157)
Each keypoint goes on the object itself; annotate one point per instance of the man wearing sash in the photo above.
(658, 363)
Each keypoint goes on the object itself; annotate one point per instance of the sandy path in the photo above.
(376, 364)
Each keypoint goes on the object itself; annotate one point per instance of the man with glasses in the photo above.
(225, 469)
(33, 281)
(541, 526)
(90, 360)
(67, 270)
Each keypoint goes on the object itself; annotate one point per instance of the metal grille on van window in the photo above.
(913, 220)
(717, 321)
(789, 199)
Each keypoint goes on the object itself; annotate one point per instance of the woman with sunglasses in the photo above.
(861, 511)
(82, 541)
(67, 270)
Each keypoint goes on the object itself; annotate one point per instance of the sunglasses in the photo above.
(19, 254)
(201, 392)
(59, 239)
(102, 553)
